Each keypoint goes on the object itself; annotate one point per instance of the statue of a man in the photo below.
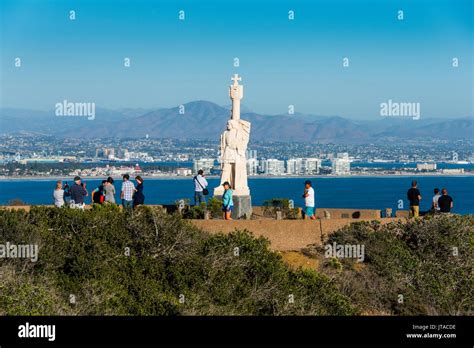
(234, 141)
(233, 148)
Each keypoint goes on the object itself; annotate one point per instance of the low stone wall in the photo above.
(21, 207)
(336, 213)
(284, 235)
(402, 213)
(333, 213)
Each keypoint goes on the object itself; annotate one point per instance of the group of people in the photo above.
(201, 191)
(440, 203)
(74, 196)
(228, 204)
(132, 196)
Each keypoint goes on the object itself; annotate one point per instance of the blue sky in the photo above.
(282, 62)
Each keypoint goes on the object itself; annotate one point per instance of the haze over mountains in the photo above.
(206, 120)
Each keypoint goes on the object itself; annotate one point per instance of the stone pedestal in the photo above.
(242, 207)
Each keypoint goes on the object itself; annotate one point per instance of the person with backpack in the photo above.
(227, 203)
(98, 195)
(200, 188)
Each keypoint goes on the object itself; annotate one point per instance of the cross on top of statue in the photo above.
(236, 78)
(236, 93)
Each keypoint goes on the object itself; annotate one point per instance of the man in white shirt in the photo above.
(434, 204)
(200, 188)
(308, 196)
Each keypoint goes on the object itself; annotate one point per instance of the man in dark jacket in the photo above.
(78, 192)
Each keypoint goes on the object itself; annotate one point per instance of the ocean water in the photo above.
(331, 192)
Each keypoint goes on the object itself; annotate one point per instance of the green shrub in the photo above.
(214, 206)
(145, 262)
(195, 211)
(418, 267)
(16, 202)
(24, 294)
(272, 206)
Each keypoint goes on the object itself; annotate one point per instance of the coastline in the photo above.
(175, 177)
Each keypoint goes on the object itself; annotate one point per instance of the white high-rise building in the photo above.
(206, 164)
(252, 166)
(111, 154)
(294, 166)
(273, 167)
(251, 154)
(303, 166)
(341, 166)
(312, 165)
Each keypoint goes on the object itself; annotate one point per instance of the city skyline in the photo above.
(284, 62)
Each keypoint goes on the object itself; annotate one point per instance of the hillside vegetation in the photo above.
(112, 262)
(106, 261)
(419, 267)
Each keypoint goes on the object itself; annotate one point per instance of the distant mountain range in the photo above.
(206, 120)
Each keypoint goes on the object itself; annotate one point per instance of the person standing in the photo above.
(98, 195)
(414, 197)
(58, 194)
(200, 188)
(67, 194)
(445, 202)
(434, 203)
(127, 191)
(109, 190)
(308, 196)
(138, 197)
(78, 193)
(227, 203)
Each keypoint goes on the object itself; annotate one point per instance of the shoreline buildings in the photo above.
(341, 164)
(206, 164)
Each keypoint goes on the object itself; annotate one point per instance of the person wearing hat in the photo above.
(78, 192)
(227, 203)
(308, 196)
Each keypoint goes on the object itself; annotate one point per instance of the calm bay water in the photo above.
(331, 192)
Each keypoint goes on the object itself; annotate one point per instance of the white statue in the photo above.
(233, 147)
